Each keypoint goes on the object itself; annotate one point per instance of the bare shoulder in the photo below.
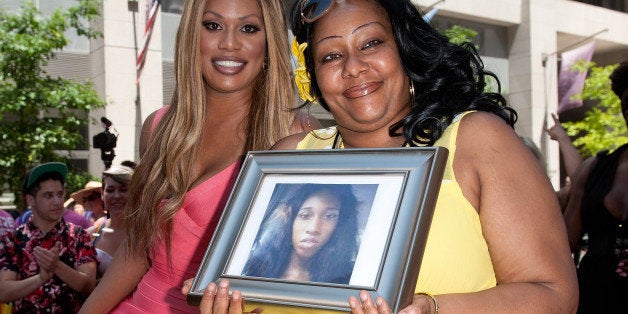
(289, 142)
(304, 121)
(146, 132)
(485, 135)
(486, 122)
(582, 173)
(587, 165)
(490, 153)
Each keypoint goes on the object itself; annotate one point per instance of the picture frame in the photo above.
(391, 192)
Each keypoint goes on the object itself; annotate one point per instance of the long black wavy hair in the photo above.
(333, 263)
(448, 79)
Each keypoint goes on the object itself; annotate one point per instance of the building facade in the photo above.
(519, 40)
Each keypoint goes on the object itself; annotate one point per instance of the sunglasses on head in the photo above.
(312, 10)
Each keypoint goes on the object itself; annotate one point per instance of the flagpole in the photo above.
(134, 5)
(433, 5)
(559, 51)
(152, 10)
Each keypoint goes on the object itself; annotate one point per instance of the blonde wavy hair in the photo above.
(163, 175)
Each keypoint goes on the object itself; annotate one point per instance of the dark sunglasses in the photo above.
(312, 10)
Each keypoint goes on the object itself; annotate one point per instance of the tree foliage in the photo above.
(603, 126)
(37, 111)
(459, 34)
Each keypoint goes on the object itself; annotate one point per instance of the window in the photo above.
(172, 6)
(617, 5)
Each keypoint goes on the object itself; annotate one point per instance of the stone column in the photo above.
(114, 76)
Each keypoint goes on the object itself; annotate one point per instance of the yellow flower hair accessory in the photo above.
(301, 77)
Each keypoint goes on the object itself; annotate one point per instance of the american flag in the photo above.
(152, 6)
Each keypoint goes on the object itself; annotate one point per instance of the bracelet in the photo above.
(433, 300)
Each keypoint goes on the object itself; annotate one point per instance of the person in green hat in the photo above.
(46, 263)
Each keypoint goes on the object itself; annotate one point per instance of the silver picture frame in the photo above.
(400, 187)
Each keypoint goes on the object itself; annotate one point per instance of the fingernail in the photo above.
(352, 302)
(223, 284)
(363, 296)
(211, 288)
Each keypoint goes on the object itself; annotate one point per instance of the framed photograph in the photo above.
(311, 228)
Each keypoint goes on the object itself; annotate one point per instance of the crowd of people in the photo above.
(499, 239)
(54, 251)
(46, 263)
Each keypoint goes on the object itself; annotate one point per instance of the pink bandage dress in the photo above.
(159, 291)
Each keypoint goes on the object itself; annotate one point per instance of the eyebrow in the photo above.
(51, 192)
(240, 18)
(353, 32)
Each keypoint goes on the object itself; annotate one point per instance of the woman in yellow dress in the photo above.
(497, 242)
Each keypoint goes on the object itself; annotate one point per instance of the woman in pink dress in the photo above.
(233, 94)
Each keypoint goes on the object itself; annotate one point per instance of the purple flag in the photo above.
(571, 82)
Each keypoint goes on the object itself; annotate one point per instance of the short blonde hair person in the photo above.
(119, 173)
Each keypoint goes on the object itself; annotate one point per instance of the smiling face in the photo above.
(358, 68)
(314, 224)
(232, 44)
(115, 195)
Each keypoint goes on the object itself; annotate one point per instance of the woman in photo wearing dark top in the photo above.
(310, 237)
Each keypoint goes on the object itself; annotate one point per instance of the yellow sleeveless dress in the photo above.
(456, 258)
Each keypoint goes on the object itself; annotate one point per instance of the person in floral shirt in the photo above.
(46, 264)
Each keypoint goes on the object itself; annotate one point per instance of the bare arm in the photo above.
(146, 132)
(289, 142)
(520, 218)
(521, 223)
(119, 281)
(82, 279)
(571, 156)
(12, 289)
(573, 211)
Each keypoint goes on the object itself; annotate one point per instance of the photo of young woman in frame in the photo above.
(311, 232)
